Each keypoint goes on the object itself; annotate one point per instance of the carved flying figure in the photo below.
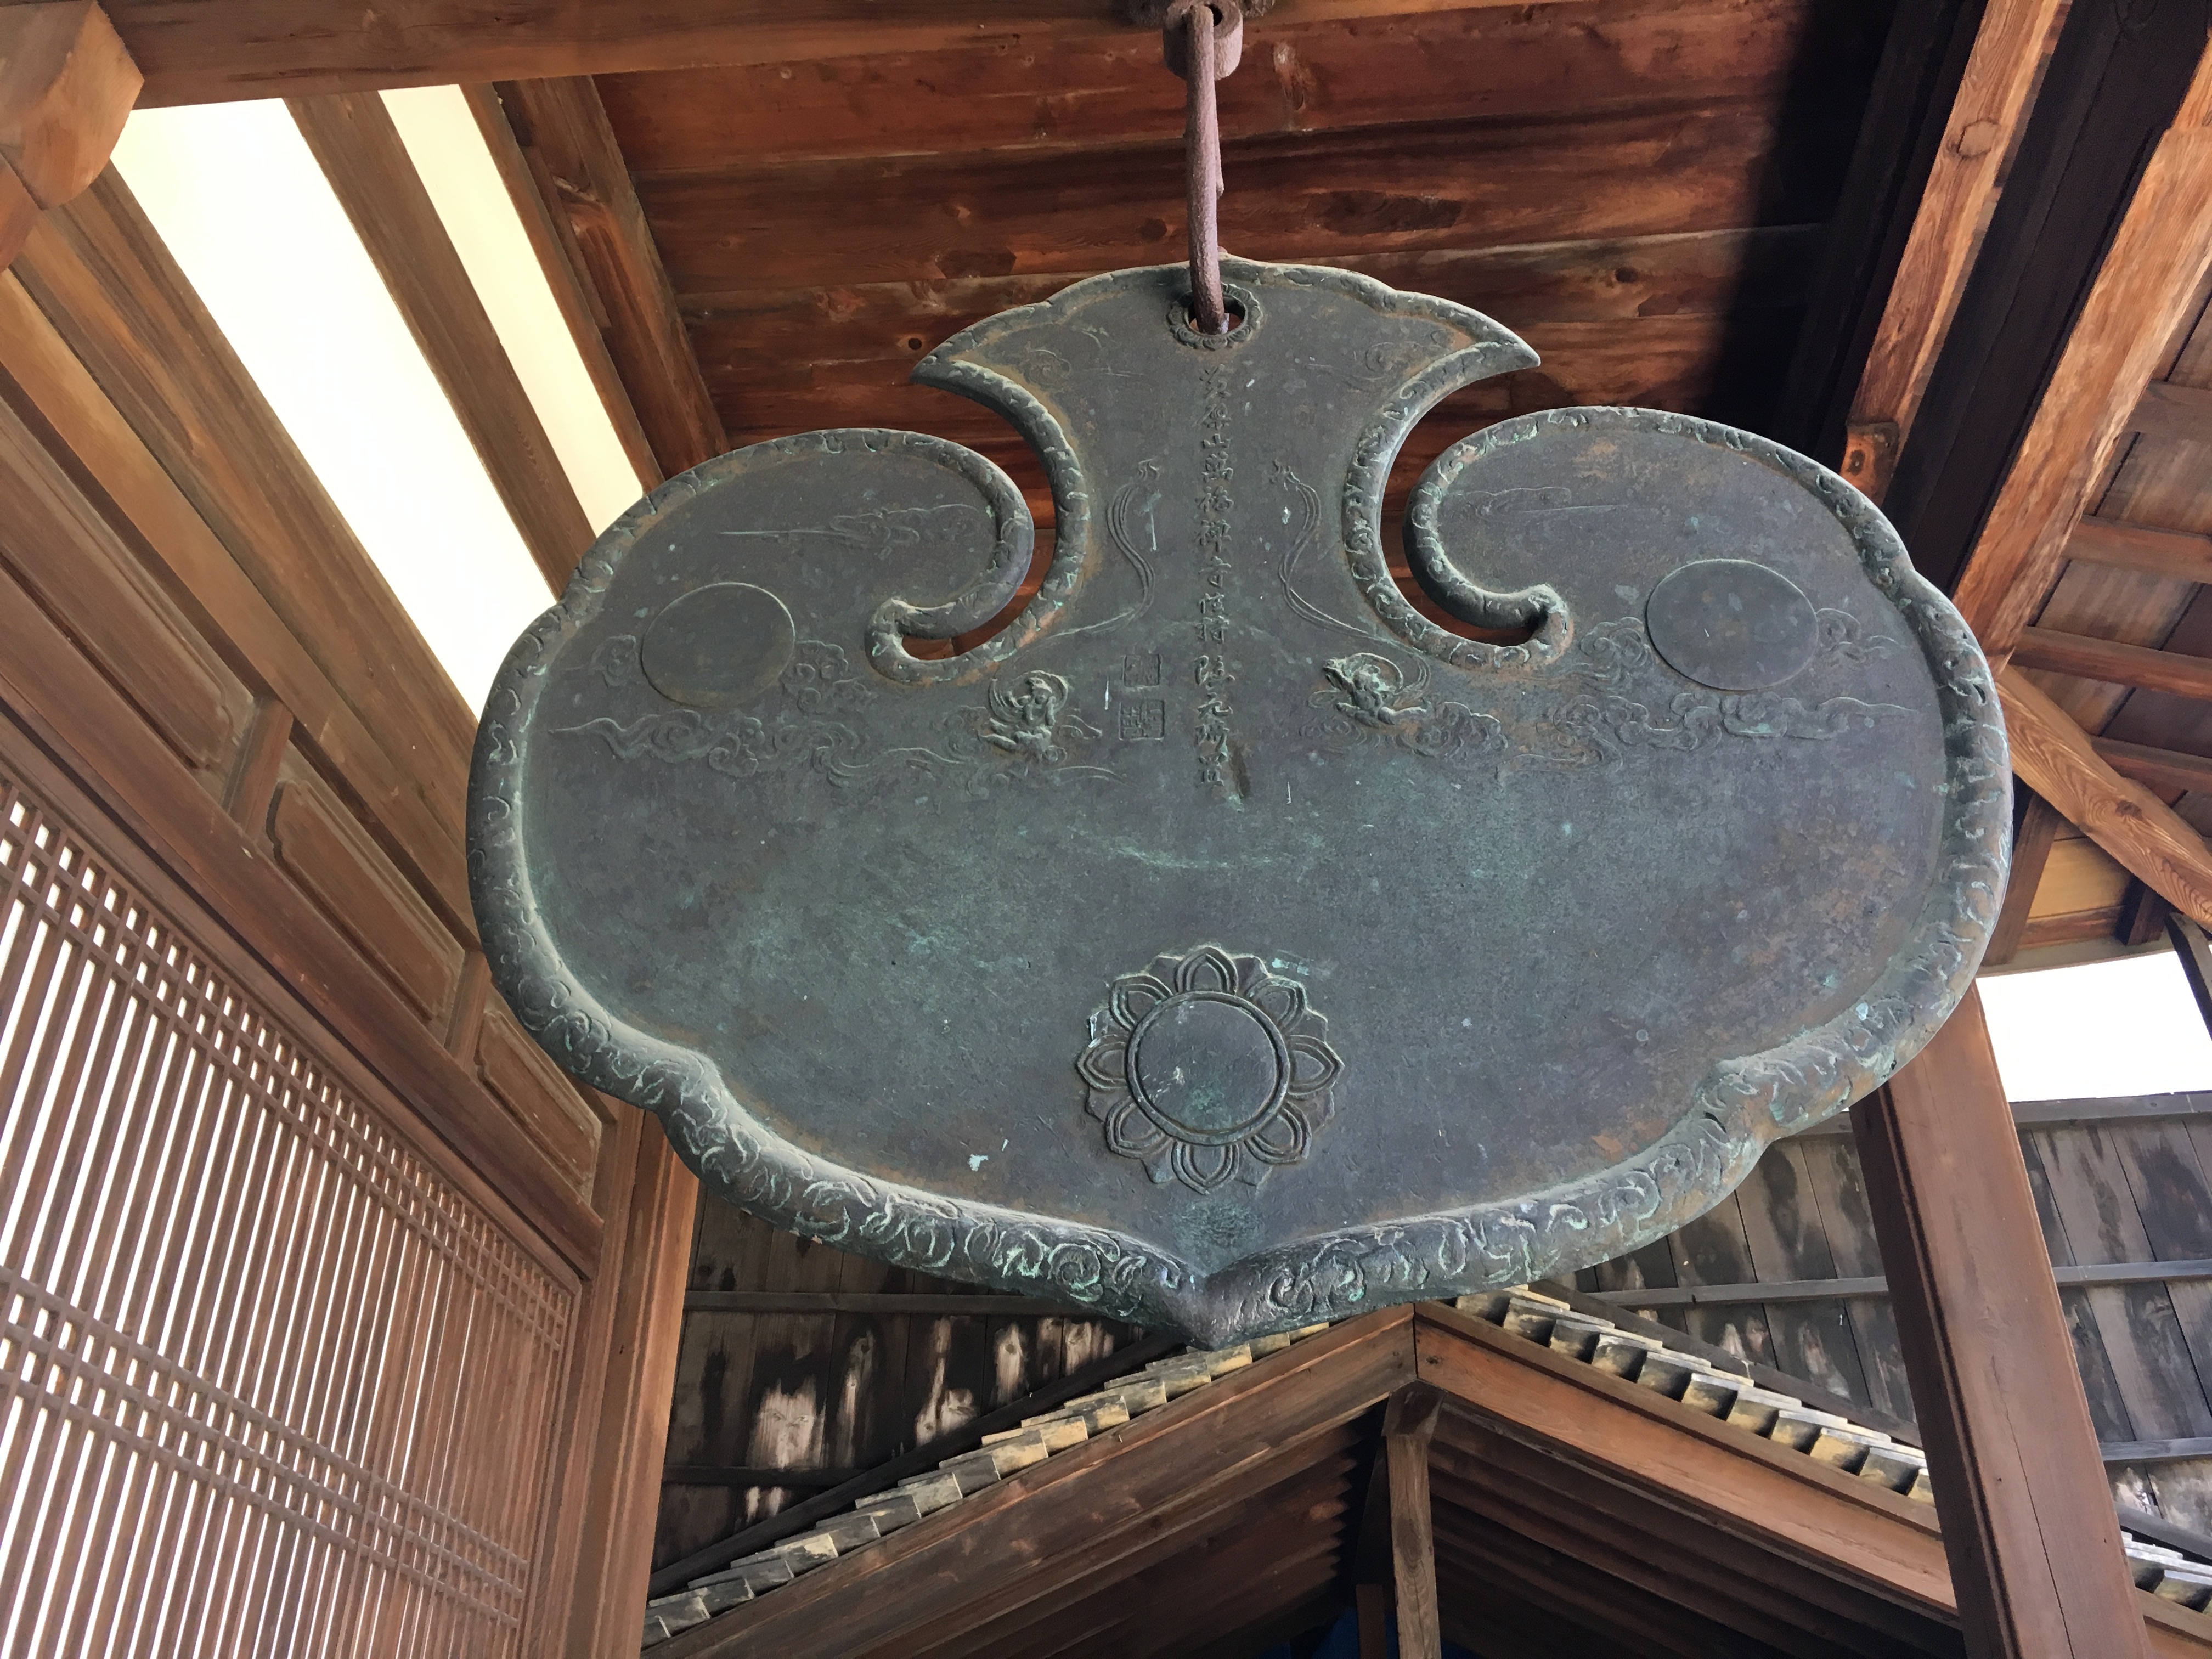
(1227, 942)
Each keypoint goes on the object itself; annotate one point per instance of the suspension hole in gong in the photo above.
(1242, 305)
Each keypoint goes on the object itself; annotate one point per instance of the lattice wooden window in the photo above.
(269, 1381)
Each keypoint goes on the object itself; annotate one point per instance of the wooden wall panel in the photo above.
(322, 849)
(542, 1098)
(189, 635)
(100, 273)
(67, 557)
(56, 394)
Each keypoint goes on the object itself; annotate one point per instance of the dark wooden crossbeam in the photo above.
(2170, 553)
(1821, 1290)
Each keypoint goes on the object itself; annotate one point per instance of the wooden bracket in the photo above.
(67, 84)
(2057, 759)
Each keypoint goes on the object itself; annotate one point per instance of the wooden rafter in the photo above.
(360, 151)
(554, 244)
(2174, 554)
(2114, 662)
(2161, 769)
(2149, 282)
(563, 133)
(2057, 759)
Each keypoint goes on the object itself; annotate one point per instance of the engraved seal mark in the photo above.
(1206, 1067)
(1732, 624)
(719, 645)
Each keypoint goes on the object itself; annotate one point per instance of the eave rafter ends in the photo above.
(1041, 1513)
(67, 84)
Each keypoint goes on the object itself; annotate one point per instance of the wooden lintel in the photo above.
(358, 148)
(2113, 662)
(2028, 1524)
(2058, 760)
(563, 132)
(67, 85)
(1985, 121)
(2144, 290)
(215, 50)
(2175, 553)
(927, 1304)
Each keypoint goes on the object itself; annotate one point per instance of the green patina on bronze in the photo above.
(1225, 944)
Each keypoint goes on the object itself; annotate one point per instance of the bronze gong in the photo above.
(1225, 946)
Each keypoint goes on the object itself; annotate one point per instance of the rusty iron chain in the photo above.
(1202, 41)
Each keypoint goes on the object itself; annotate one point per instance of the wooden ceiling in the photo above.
(1642, 187)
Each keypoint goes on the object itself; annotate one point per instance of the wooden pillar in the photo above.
(2028, 1523)
(1409, 1423)
(66, 87)
(1394, 1559)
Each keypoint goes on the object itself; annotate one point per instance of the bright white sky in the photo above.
(2127, 1026)
(238, 197)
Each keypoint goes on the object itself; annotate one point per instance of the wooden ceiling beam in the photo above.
(215, 51)
(67, 85)
(358, 148)
(562, 131)
(2174, 554)
(2057, 759)
(1985, 122)
(2113, 663)
(1302, 77)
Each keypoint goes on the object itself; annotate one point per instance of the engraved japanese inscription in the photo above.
(1228, 940)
